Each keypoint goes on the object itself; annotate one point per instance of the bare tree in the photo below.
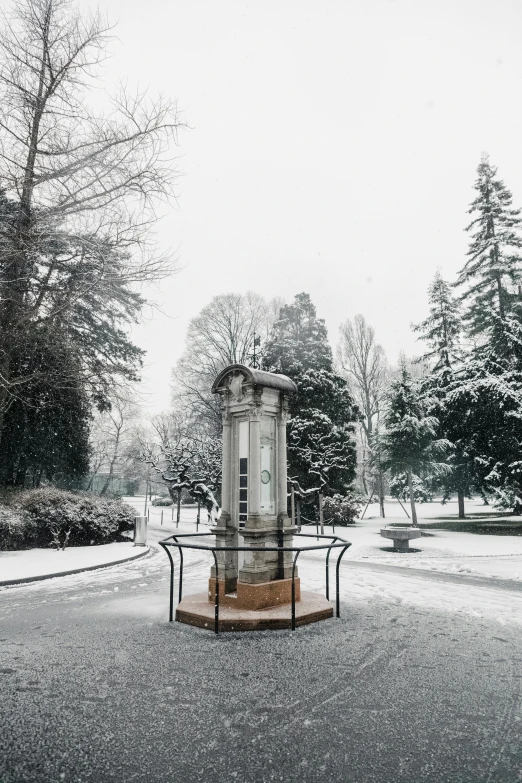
(112, 440)
(222, 334)
(79, 189)
(192, 464)
(365, 367)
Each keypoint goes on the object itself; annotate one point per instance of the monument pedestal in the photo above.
(197, 610)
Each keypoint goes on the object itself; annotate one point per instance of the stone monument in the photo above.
(253, 585)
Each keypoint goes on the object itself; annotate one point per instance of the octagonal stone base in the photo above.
(401, 536)
(197, 610)
(260, 596)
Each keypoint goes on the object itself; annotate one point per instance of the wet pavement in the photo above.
(97, 686)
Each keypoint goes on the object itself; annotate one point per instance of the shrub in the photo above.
(14, 528)
(60, 518)
(342, 509)
(166, 501)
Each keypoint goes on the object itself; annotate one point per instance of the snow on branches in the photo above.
(192, 464)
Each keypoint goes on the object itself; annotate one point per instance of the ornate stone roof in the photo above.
(271, 380)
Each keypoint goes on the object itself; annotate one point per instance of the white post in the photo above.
(140, 531)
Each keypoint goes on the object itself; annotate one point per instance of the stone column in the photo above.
(225, 531)
(226, 476)
(282, 512)
(284, 523)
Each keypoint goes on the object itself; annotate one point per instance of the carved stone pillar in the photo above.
(285, 530)
(225, 530)
(226, 476)
(282, 501)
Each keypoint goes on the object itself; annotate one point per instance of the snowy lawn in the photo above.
(31, 563)
(440, 550)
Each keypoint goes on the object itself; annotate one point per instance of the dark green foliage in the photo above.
(451, 407)
(493, 271)
(482, 401)
(78, 519)
(410, 443)
(442, 328)
(321, 449)
(46, 432)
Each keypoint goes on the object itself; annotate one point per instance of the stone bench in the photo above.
(401, 536)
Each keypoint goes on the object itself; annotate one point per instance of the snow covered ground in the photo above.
(497, 556)
(440, 550)
(33, 563)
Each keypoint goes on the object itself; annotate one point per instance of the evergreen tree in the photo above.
(410, 441)
(441, 330)
(484, 398)
(451, 411)
(321, 449)
(493, 271)
(46, 431)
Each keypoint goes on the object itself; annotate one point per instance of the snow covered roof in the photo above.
(256, 377)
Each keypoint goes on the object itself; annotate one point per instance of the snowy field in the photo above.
(497, 556)
(446, 574)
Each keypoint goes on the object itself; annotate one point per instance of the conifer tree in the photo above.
(484, 398)
(441, 330)
(321, 448)
(493, 271)
(410, 442)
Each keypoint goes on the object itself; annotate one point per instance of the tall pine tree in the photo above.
(493, 271)
(410, 442)
(321, 448)
(441, 330)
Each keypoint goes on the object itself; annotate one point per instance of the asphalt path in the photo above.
(97, 686)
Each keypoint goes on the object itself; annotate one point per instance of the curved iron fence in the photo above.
(172, 541)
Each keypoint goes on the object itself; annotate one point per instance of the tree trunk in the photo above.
(460, 496)
(178, 511)
(412, 501)
(380, 485)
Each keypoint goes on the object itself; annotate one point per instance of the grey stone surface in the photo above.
(140, 531)
(98, 687)
(401, 536)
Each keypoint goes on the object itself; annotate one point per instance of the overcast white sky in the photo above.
(333, 148)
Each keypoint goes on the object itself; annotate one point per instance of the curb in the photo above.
(41, 577)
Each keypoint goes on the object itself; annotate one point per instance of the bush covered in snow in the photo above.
(15, 528)
(342, 509)
(57, 518)
(165, 501)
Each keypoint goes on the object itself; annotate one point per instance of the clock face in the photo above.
(265, 476)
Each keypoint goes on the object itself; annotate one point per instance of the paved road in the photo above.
(97, 686)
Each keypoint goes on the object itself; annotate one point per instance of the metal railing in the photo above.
(172, 541)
